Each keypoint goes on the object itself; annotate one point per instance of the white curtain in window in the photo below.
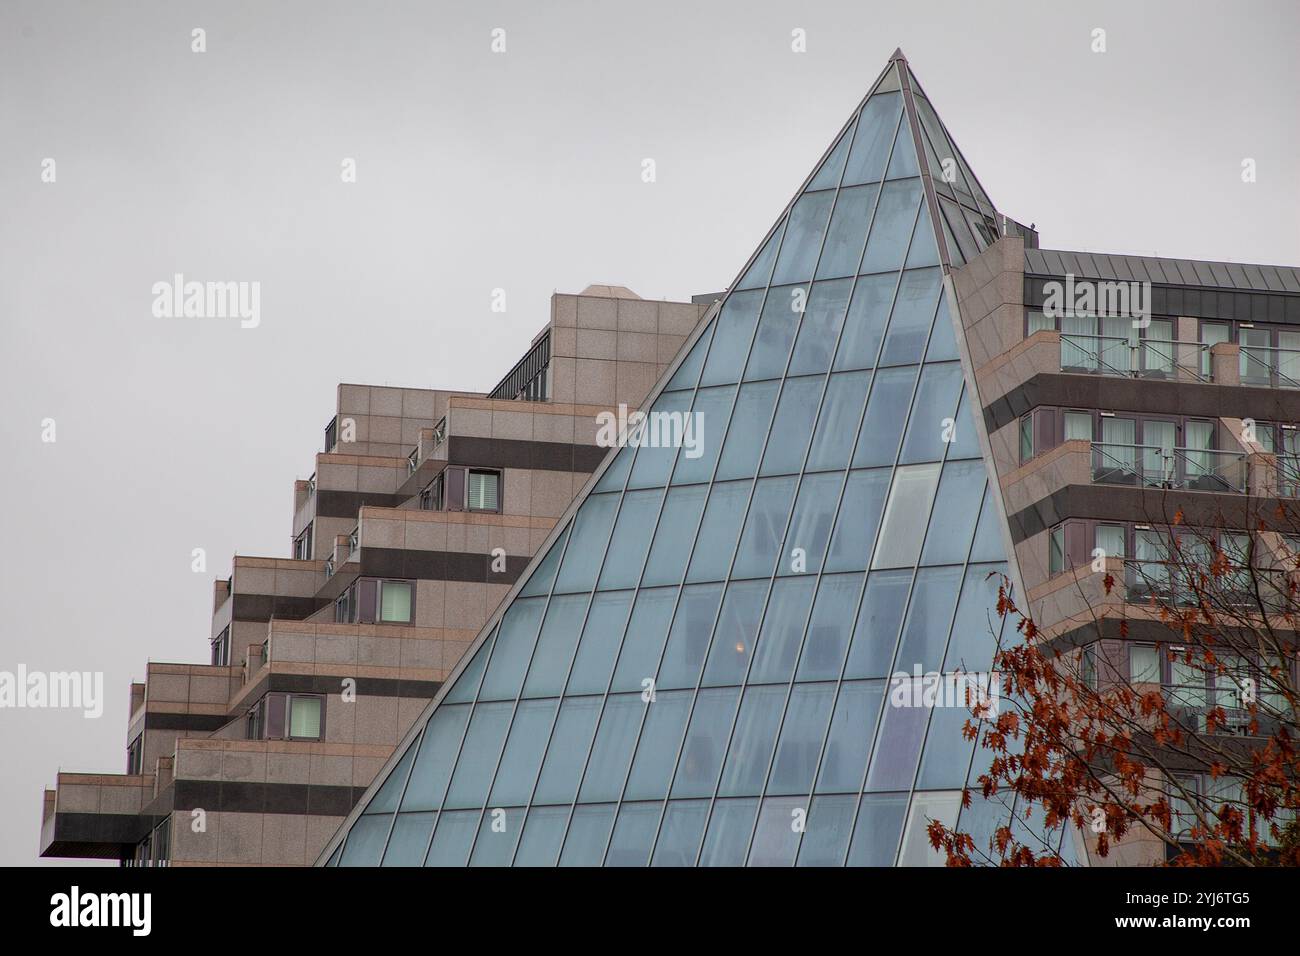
(483, 494)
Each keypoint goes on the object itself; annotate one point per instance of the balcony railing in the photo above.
(1277, 368)
(331, 434)
(413, 460)
(329, 567)
(354, 540)
(1240, 588)
(1151, 466)
(527, 381)
(1146, 358)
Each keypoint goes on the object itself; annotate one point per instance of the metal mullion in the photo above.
(451, 775)
(794, 501)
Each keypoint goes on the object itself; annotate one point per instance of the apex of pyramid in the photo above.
(898, 55)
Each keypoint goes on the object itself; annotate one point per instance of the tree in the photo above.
(1162, 728)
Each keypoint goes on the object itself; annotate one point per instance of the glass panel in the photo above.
(923, 251)
(644, 643)
(540, 580)
(478, 757)
(438, 747)
(661, 736)
(730, 827)
(876, 633)
(601, 637)
(977, 625)
(658, 439)
(410, 839)
(882, 427)
(706, 742)
(498, 832)
(731, 338)
(932, 421)
(906, 514)
(875, 135)
(925, 636)
(587, 547)
(514, 647)
(830, 627)
(956, 507)
(943, 343)
(848, 232)
(304, 717)
(523, 754)
(568, 751)
(783, 627)
(909, 325)
(720, 529)
(680, 833)
(752, 741)
(688, 373)
(927, 807)
(946, 758)
(749, 424)
(880, 822)
(588, 835)
(764, 528)
(844, 762)
(810, 526)
(859, 517)
(802, 734)
(987, 545)
(822, 318)
(846, 394)
(893, 763)
(776, 330)
(760, 271)
(614, 478)
(892, 228)
(631, 540)
(865, 326)
(612, 754)
(736, 633)
(803, 238)
(776, 839)
(633, 835)
(826, 839)
(452, 838)
(675, 535)
(828, 174)
(556, 645)
(366, 840)
(689, 640)
(543, 834)
(793, 425)
(712, 411)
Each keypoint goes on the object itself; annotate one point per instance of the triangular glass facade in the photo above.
(697, 670)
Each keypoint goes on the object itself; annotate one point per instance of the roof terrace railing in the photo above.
(1145, 358)
(527, 381)
(1274, 367)
(1193, 469)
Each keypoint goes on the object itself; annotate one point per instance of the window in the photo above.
(279, 716)
(345, 607)
(431, 498)
(484, 491)
(221, 648)
(302, 544)
(1078, 425)
(1110, 539)
(1143, 664)
(1056, 550)
(1088, 666)
(395, 602)
(304, 717)
(1026, 438)
(906, 515)
(135, 755)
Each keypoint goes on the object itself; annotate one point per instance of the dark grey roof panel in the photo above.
(1244, 277)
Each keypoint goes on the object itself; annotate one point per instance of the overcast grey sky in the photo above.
(478, 171)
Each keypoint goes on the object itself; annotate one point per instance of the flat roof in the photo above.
(1240, 276)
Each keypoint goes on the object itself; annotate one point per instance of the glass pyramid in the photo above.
(696, 670)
